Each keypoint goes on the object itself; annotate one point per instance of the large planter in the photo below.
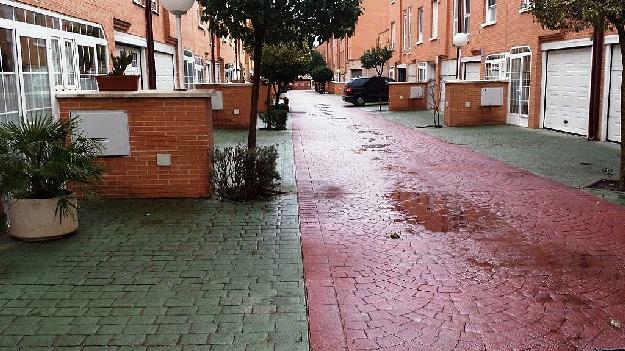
(36, 219)
(118, 83)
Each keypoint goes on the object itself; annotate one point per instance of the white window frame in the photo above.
(422, 72)
(496, 62)
(420, 25)
(490, 14)
(525, 6)
(466, 16)
(154, 3)
(407, 30)
(434, 20)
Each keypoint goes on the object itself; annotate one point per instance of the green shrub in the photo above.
(275, 119)
(242, 174)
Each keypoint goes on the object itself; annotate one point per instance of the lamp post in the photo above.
(179, 8)
(460, 40)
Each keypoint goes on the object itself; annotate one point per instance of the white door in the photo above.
(567, 90)
(614, 112)
(472, 70)
(448, 72)
(135, 67)
(519, 93)
(164, 71)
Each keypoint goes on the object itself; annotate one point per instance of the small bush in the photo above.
(242, 174)
(275, 119)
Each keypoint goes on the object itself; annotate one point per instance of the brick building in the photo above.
(343, 55)
(54, 45)
(548, 72)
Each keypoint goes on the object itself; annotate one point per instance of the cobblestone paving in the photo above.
(488, 256)
(162, 275)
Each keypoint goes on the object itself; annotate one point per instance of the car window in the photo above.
(358, 82)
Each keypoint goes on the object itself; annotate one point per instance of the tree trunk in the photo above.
(621, 34)
(258, 58)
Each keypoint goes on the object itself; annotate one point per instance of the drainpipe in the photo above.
(460, 21)
(594, 113)
(149, 38)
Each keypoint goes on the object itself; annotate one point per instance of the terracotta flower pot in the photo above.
(118, 83)
(36, 219)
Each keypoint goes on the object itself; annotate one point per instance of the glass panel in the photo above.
(36, 81)
(525, 85)
(515, 85)
(9, 95)
(20, 16)
(6, 12)
(101, 53)
(86, 63)
(56, 63)
(68, 64)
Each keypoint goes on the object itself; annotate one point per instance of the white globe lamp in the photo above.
(460, 40)
(179, 8)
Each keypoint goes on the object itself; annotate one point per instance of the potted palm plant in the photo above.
(116, 80)
(41, 158)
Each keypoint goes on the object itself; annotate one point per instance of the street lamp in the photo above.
(179, 8)
(460, 40)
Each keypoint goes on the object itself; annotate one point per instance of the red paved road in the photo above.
(490, 257)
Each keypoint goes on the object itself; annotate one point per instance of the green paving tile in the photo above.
(179, 274)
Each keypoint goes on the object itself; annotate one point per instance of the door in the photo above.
(401, 74)
(614, 111)
(448, 72)
(567, 90)
(135, 67)
(164, 71)
(472, 70)
(519, 94)
(9, 91)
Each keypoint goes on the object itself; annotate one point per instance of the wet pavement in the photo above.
(412, 243)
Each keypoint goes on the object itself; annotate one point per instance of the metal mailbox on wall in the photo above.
(110, 126)
(492, 97)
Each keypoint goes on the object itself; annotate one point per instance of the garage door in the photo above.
(614, 112)
(472, 70)
(567, 90)
(164, 71)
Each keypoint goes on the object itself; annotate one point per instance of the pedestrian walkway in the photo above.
(412, 243)
(163, 275)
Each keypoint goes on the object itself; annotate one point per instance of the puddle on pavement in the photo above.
(439, 214)
(332, 192)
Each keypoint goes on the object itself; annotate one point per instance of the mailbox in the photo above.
(109, 126)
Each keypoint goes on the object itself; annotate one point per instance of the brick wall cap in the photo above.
(135, 94)
(475, 81)
(408, 83)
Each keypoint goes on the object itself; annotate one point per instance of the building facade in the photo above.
(548, 72)
(49, 45)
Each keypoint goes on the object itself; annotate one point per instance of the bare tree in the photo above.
(435, 98)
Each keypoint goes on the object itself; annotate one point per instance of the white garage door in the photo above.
(614, 113)
(164, 71)
(472, 70)
(567, 90)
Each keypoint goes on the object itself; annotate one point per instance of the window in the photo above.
(495, 67)
(142, 3)
(434, 23)
(421, 25)
(422, 72)
(525, 5)
(455, 22)
(37, 97)
(57, 73)
(9, 95)
(87, 67)
(466, 16)
(491, 11)
(407, 30)
(101, 54)
(200, 70)
(189, 69)
(393, 42)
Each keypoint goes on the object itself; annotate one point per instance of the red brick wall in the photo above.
(399, 97)
(236, 96)
(336, 88)
(302, 85)
(457, 94)
(181, 127)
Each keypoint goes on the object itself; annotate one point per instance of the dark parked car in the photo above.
(362, 90)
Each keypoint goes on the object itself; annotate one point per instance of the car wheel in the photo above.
(360, 101)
